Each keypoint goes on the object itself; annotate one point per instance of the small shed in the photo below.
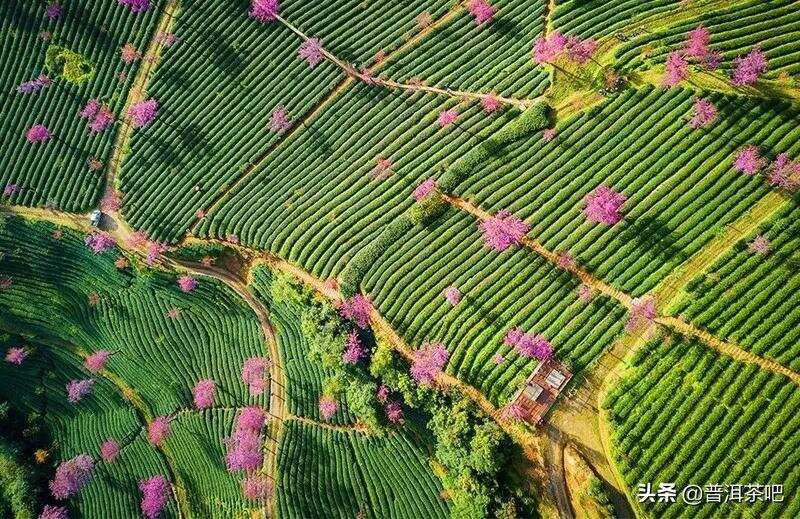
(541, 389)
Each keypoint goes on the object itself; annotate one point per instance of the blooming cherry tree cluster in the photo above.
(53, 11)
(158, 430)
(136, 6)
(99, 242)
(203, 393)
(34, 86)
(513, 411)
(503, 230)
(99, 116)
(54, 512)
(155, 495)
(749, 161)
(580, 51)
(244, 446)
(109, 450)
(705, 113)
(77, 389)
(328, 406)
(353, 350)
(747, 69)
(675, 70)
(187, 283)
(11, 189)
(549, 49)
(424, 189)
(16, 356)
(428, 361)
(279, 120)
(265, 10)
(254, 374)
(784, 173)
(529, 344)
(760, 245)
(38, 133)
(71, 476)
(447, 117)
(256, 487)
(603, 205)
(143, 113)
(642, 313)
(452, 295)
(311, 51)
(481, 10)
(490, 103)
(695, 48)
(394, 412)
(356, 309)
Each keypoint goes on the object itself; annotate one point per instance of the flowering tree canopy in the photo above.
(447, 117)
(394, 413)
(311, 51)
(97, 361)
(549, 134)
(353, 351)
(760, 245)
(704, 113)
(697, 41)
(676, 69)
(54, 512)
(32, 87)
(158, 430)
(16, 356)
(142, 113)
(481, 10)
(155, 495)
(422, 190)
(747, 69)
(356, 309)
(129, 53)
(53, 11)
(265, 10)
(254, 374)
(503, 230)
(77, 389)
(256, 487)
(603, 205)
(203, 393)
(382, 394)
(784, 173)
(529, 344)
(154, 251)
(328, 407)
(244, 446)
(101, 120)
(71, 476)
(498, 359)
(187, 283)
(513, 411)
(580, 51)
(38, 133)
(136, 6)
(584, 293)
(490, 103)
(642, 313)
(99, 242)
(109, 450)
(549, 49)
(279, 120)
(452, 295)
(428, 362)
(748, 160)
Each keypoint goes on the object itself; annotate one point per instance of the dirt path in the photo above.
(359, 428)
(554, 462)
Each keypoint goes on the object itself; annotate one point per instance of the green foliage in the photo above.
(16, 495)
(427, 209)
(68, 65)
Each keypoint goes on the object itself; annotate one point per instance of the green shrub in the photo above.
(70, 66)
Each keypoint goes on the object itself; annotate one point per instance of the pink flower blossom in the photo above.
(254, 374)
(481, 10)
(142, 113)
(603, 205)
(549, 134)
(155, 495)
(279, 120)
(54, 512)
(251, 418)
(128, 53)
(102, 120)
(136, 240)
(676, 70)
(704, 113)
(109, 450)
(158, 430)
(394, 413)
(173, 313)
(203, 393)
(513, 411)
(642, 313)
(16, 356)
(71, 476)
(382, 169)
(565, 260)
(697, 43)
(245, 445)
(712, 60)
(311, 51)
(154, 251)
(490, 103)
(111, 201)
(96, 362)
(424, 189)
(136, 6)
(38, 133)
(513, 336)
(353, 351)
(357, 309)
(428, 361)
(452, 295)
(580, 51)
(99, 242)
(256, 487)
(35, 86)
(167, 39)
(584, 293)
(503, 230)
(549, 49)
(53, 11)
(760, 245)
(746, 70)
(535, 346)
(447, 117)
(382, 394)
(77, 389)
(328, 407)
(498, 359)
(784, 173)
(265, 10)
(187, 283)
(748, 160)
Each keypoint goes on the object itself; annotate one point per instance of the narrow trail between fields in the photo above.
(358, 427)
(701, 80)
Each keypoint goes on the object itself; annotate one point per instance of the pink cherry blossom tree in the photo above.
(158, 430)
(53, 11)
(641, 315)
(99, 242)
(784, 173)
(513, 411)
(203, 393)
(244, 446)
(748, 160)
(424, 189)
(96, 362)
(503, 230)
(498, 359)
(452, 295)
(697, 41)
(78, 389)
(481, 10)
(447, 117)
(255, 373)
(156, 492)
(354, 350)
(143, 113)
(54, 512)
(580, 51)
(428, 362)
(490, 103)
(265, 10)
(760, 245)
(549, 134)
(109, 450)
(71, 476)
(34, 86)
(603, 205)
(528, 344)
(705, 113)
(38, 133)
(382, 394)
(187, 283)
(256, 487)
(16, 356)
(328, 407)
(548, 49)
(279, 120)
(394, 413)
(136, 6)
(747, 69)
(311, 51)
(676, 69)
(357, 309)
(584, 293)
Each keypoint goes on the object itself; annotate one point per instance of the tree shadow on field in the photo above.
(650, 234)
(19, 15)
(320, 141)
(195, 140)
(508, 29)
(224, 55)
(75, 16)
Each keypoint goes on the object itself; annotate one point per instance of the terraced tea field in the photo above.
(368, 259)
